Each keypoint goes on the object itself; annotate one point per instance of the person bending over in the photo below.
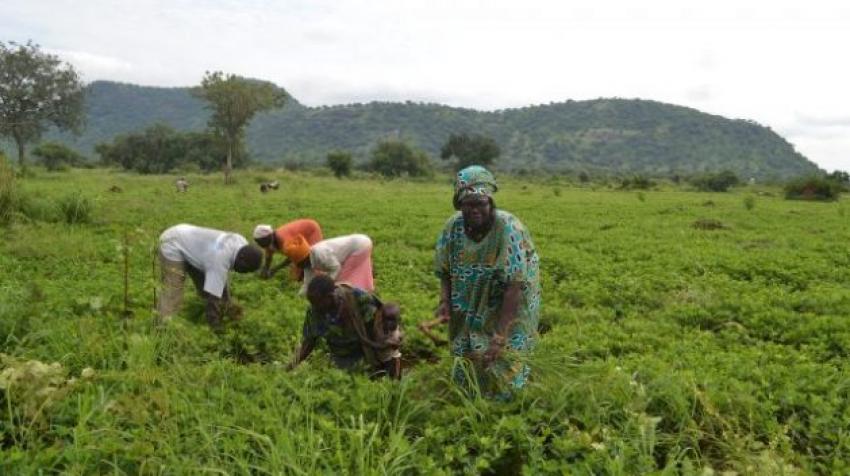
(206, 255)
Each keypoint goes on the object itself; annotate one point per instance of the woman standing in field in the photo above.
(271, 240)
(490, 288)
(346, 259)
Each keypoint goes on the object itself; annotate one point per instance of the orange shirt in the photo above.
(310, 229)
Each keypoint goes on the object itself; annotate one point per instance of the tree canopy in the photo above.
(394, 158)
(161, 149)
(234, 101)
(36, 91)
(469, 150)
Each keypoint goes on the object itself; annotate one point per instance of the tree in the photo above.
(394, 158)
(470, 150)
(55, 156)
(36, 91)
(715, 182)
(234, 101)
(160, 149)
(340, 163)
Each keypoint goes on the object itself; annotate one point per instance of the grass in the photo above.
(669, 348)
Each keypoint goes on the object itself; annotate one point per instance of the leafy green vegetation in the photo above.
(608, 136)
(55, 156)
(813, 188)
(340, 163)
(395, 158)
(668, 348)
(161, 149)
(470, 150)
(715, 182)
(37, 90)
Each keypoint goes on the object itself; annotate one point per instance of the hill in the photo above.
(614, 135)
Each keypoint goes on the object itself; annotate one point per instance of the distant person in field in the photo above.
(490, 288)
(207, 256)
(274, 240)
(356, 326)
(182, 184)
(346, 259)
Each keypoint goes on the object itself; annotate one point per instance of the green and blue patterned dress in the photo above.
(344, 344)
(480, 273)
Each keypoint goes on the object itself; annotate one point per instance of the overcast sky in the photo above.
(783, 64)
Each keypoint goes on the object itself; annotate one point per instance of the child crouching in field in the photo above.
(388, 336)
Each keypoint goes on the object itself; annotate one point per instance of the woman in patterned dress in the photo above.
(490, 288)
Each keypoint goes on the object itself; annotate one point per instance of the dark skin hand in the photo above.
(442, 314)
(270, 244)
(507, 315)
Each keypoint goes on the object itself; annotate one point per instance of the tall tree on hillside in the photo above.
(234, 101)
(473, 149)
(36, 91)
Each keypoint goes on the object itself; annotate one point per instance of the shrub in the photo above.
(637, 182)
(394, 158)
(813, 188)
(749, 202)
(57, 157)
(75, 208)
(719, 182)
(340, 163)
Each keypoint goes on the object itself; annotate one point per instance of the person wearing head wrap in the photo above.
(346, 259)
(490, 288)
(272, 241)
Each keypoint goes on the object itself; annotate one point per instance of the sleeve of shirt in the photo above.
(517, 243)
(442, 251)
(215, 279)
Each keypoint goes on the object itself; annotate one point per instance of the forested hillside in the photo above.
(614, 135)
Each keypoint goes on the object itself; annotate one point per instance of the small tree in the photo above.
(813, 188)
(470, 150)
(54, 156)
(234, 101)
(340, 163)
(393, 158)
(36, 91)
(717, 182)
(842, 178)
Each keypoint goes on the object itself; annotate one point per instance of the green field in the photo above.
(668, 348)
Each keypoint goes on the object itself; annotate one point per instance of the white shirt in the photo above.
(327, 256)
(211, 251)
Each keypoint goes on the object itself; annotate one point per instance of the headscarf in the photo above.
(296, 249)
(263, 231)
(473, 180)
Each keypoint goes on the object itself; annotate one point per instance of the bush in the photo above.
(813, 188)
(340, 163)
(393, 158)
(637, 182)
(75, 208)
(719, 182)
(749, 202)
(58, 157)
